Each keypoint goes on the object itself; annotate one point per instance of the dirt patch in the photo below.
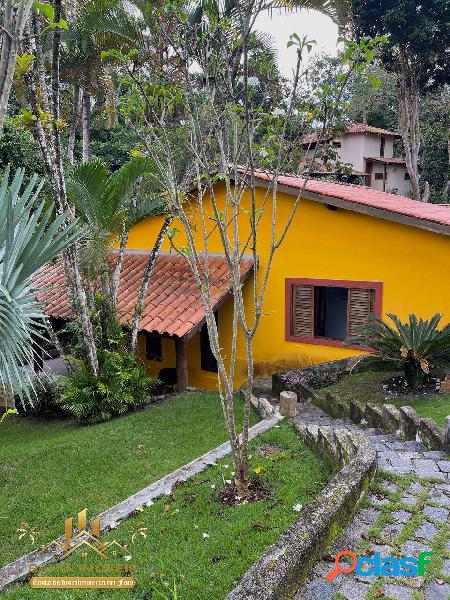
(397, 386)
(258, 492)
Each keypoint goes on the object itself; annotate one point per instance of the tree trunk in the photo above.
(76, 116)
(86, 126)
(145, 281)
(55, 341)
(118, 269)
(408, 90)
(71, 255)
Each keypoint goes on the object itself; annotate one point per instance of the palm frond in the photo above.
(29, 239)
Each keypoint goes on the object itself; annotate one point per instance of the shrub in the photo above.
(413, 346)
(45, 398)
(122, 385)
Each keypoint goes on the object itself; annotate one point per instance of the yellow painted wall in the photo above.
(323, 244)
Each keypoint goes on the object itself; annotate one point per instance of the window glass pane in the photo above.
(331, 312)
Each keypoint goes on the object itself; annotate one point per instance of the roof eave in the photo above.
(372, 211)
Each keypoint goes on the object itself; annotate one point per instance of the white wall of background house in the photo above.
(355, 148)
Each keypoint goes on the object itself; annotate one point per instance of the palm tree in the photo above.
(30, 237)
(411, 346)
(106, 204)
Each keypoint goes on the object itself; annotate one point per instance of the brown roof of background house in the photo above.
(433, 217)
(386, 161)
(355, 128)
(173, 305)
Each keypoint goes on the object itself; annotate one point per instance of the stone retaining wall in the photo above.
(284, 567)
(404, 421)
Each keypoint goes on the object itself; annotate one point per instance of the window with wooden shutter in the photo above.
(325, 311)
(361, 303)
(303, 311)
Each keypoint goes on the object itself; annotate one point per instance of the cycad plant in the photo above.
(30, 237)
(414, 346)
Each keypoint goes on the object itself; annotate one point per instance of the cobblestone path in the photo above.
(406, 512)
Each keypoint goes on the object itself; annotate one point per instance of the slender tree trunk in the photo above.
(86, 126)
(13, 27)
(76, 117)
(55, 341)
(62, 203)
(145, 281)
(409, 119)
(118, 269)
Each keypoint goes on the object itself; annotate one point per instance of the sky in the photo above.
(280, 25)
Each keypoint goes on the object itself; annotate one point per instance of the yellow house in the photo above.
(350, 251)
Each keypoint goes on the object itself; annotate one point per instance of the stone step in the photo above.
(262, 388)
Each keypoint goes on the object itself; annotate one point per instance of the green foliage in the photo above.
(30, 237)
(100, 199)
(421, 30)
(46, 394)
(122, 385)
(18, 149)
(412, 345)
(434, 158)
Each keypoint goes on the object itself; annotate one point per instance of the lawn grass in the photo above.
(366, 387)
(195, 542)
(50, 470)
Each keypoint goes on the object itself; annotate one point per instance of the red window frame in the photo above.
(347, 283)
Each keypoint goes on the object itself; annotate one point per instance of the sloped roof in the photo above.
(433, 217)
(355, 128)
(386, 161)
(173, 305)
(364, 128)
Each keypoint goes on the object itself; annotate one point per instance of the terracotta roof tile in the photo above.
(310, 138)
(355, 195)
(173, 305)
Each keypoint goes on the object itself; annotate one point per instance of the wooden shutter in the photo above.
(303, 311)
(361, 302)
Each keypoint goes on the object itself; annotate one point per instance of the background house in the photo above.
(369, 151)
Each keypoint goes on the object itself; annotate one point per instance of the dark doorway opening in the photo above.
(208, 361)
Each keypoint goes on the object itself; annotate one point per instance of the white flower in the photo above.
(233, 473)
(213, 487)
(195, 526)
(297, 507)
(205, 536)
(228, 481)
(127, 557)
(253, 81)
(226, 466)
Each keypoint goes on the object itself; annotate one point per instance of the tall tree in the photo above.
(417, 52)
(221, 116)
(43, 88)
